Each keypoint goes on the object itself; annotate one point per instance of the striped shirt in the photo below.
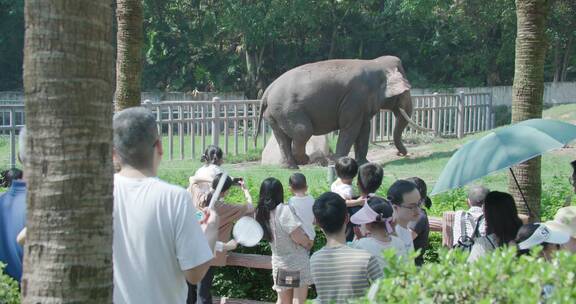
(342, 273)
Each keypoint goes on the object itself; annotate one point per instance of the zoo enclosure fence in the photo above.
(187, 127)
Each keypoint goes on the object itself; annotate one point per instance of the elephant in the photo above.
(341, 94)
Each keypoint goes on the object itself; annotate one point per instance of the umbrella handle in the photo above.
(217, 191)
(522, 193)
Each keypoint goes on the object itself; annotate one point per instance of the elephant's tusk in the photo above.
(412, 123)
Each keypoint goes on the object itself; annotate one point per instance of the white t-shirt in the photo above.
(156, 238)
(344, 190)
(208, 171)
(405, 235)
(376, 247)
(303, 207)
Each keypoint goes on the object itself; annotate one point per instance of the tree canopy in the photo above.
(244, 45)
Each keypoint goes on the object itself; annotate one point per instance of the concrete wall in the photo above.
(554, 93)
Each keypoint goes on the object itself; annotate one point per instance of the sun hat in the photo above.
(247, 232)
(565, 220)
(544, 234)
(367, 214)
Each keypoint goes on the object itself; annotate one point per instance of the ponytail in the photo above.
(212, 155)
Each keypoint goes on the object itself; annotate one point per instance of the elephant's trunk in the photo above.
(263, 106)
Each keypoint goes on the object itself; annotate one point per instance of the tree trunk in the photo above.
(566, 60)
(129, 59)
(527, 94)
(68, 87)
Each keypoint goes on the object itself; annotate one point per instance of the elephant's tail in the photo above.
(263, 106)
(412, 123)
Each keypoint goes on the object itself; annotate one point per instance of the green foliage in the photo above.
(9, 290)
(500, 277)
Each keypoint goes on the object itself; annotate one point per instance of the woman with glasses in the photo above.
(405, 200)
(502, 224)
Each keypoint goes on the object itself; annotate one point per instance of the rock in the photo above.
(317, 149)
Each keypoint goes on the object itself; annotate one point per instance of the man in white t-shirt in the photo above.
(158, 242)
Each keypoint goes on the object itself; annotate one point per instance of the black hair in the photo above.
(501, 216)
(212, 155)
(346, 167)
(370, 177)
(423, 189)
(398, 189)
(573, 163)
(215, 181)
(330, 212)
(524, 233)
(271, 195)
(297, 181)
(384, 210)
(7, 176)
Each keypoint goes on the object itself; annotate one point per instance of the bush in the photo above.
(499, 277)
(9, 291)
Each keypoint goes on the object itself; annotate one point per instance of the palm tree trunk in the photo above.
(129, 59)
(527, 94)
(68, 87)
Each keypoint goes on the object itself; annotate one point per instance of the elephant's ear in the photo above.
(396, 83)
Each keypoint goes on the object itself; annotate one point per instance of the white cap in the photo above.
(543, 234)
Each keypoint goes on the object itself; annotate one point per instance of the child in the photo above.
(228, 213)
(370, 177)
(346, 170)
(302, 203)
(340, 273)
(289, 243)
(376, 215)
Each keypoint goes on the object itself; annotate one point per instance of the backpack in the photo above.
(465, 242)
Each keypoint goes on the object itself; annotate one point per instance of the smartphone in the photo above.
(237, 180)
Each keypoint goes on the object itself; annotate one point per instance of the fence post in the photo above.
(215, 121)
(488, 123)
(435, 114)
(12, 138)
(460, 117)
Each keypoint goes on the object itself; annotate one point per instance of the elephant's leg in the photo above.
(347, 138)
(285, 145)
(362, 143)
(300, 131)
(404, 102)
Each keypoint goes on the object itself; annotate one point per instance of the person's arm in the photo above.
(299, 237)
(194, 241)
(248, 197)
(355, 202)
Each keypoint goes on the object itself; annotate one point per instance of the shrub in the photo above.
(499, 277)
(9, 291)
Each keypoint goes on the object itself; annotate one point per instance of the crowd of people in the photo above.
(167, 240)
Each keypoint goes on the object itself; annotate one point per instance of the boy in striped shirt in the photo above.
(339, 272)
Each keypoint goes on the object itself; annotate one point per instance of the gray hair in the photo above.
(477, 195)
(22, 145)
(134, 136)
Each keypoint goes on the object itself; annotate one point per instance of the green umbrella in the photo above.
(503, 148)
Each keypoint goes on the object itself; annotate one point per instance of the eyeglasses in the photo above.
(415, 207)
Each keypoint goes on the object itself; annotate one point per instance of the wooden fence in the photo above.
(187, 127)
(449, 115)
